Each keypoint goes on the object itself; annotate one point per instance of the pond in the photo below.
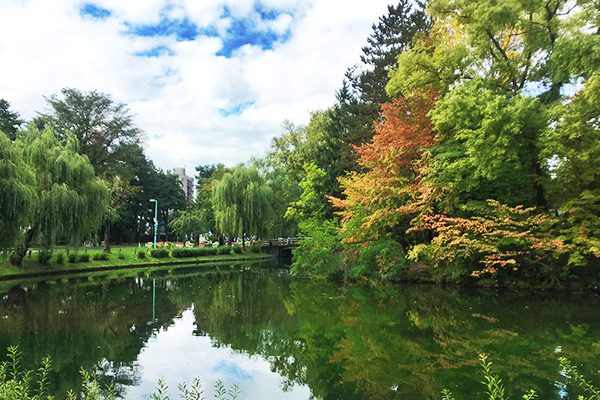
(282, 338)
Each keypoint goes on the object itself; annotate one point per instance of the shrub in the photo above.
(159, 253)
(59, 258)
(102, 256)
(255, 248)
(14, 259)
(183, 253)
(72, 258)
(382, 258)
(141, 255)
(44, 257)
(210, 251)
(223, 250)
(495, 241)
(85, 257)
(237, 249)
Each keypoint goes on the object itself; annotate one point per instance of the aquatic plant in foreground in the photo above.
(17, 383)
(494, 388)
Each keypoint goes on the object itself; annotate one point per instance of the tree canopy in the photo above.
(105, 129)
(17, 193)
(70, 200)
(242, 203)
(10, 121)
(483, 161)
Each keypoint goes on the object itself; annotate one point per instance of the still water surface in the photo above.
(279, 338)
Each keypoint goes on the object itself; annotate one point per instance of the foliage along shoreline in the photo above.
(482, 166)
(125, 261)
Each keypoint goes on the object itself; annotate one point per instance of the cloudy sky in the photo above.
(208, 80)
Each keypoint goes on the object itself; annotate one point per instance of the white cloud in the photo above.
(201, 359)
(177, 99)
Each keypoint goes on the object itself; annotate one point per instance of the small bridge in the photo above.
(281, 247)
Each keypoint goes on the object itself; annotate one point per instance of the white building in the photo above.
(187, 182)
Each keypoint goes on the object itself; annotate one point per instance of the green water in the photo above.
(279, 338)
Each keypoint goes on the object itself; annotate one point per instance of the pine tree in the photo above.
(363, 90)
(10, 121)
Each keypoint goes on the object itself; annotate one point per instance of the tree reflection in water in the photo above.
(341, 341)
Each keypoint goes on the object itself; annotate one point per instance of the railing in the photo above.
(280, 242)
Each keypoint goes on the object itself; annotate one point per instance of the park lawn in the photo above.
(125, 256)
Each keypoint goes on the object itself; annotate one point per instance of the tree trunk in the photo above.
(165, 224)
(107, 237)
(243, 241)
(539, 196)
(21, 251)
(538, 188)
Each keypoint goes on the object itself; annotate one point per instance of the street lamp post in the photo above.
(155, 219)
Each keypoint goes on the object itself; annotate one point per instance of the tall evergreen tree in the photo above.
(363, 90)
(392, 35)
(10, 121)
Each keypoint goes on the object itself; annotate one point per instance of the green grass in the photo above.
(123, 256)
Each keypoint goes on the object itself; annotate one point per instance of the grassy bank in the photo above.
(59, 262)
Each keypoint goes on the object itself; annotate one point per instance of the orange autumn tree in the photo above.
(378, 203)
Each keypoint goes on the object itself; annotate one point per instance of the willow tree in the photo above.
(242, 203)
(71, 200)
(17, 194)
(189, 223)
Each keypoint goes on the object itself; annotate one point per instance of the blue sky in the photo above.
(208, 81)
(93, 11)
(251, 28)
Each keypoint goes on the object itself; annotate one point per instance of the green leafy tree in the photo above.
(285, 190)
(311, 204)
(573, 153)
(512, 49)
(17, 193)
(314, 144)
(242, 203)
(119, 194)
(106, 130)
(205, 172)
(108, 137)
(188, 223)
(10, 121)
(171, 199)
(516, 121)
(203, 204)
(71, 200)
(328, 139)
(484, 152)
